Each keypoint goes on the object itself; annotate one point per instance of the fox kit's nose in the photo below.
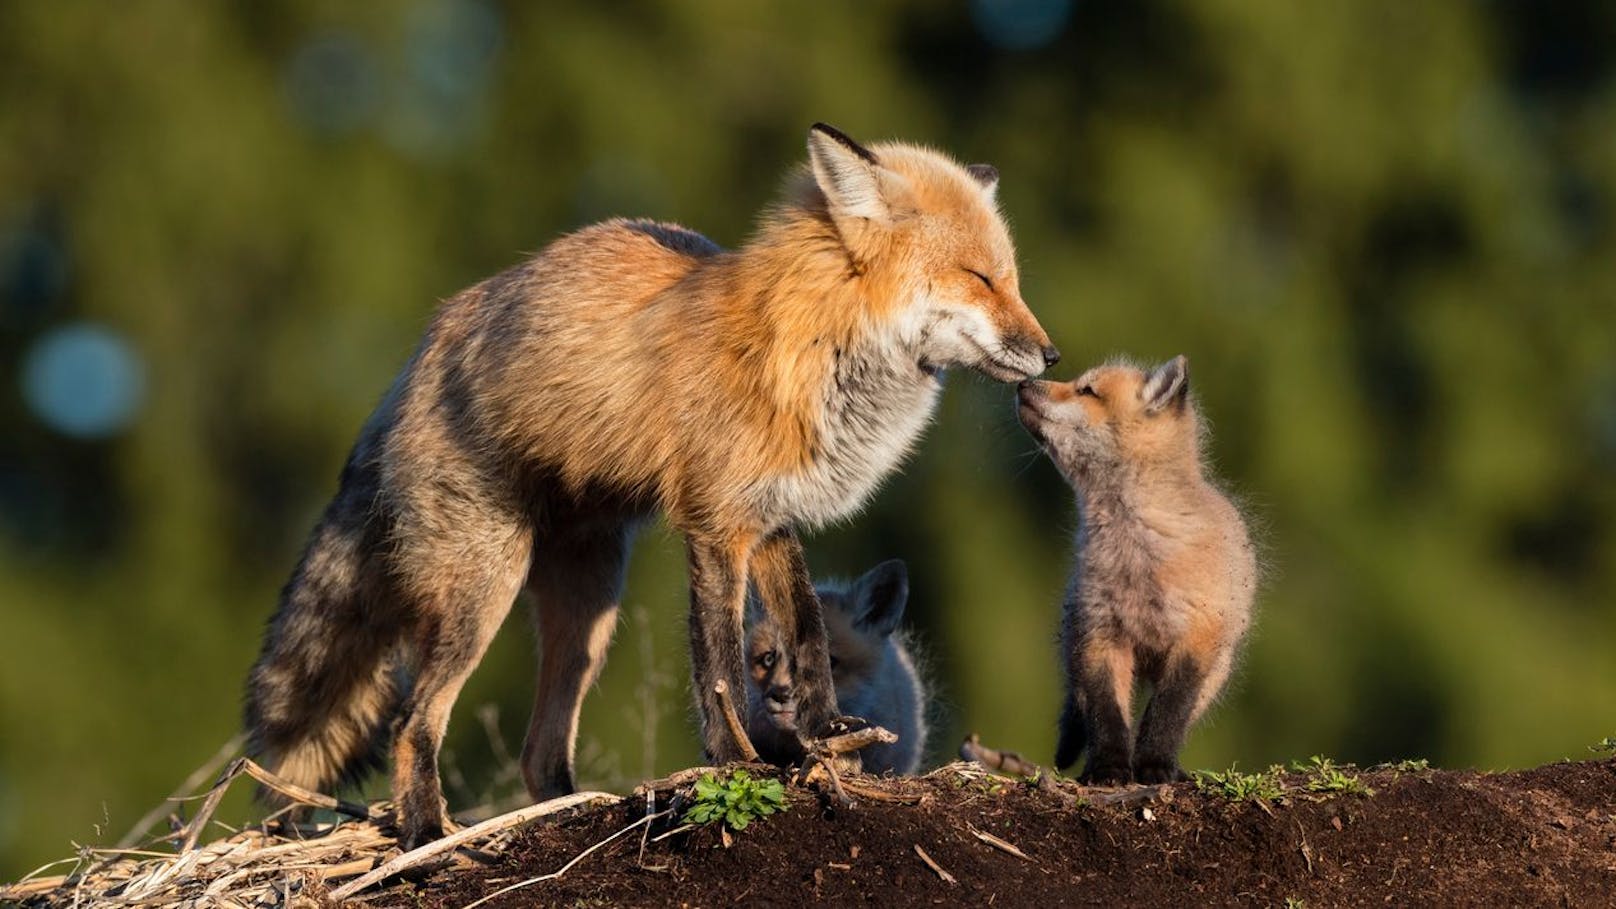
(1051, 356)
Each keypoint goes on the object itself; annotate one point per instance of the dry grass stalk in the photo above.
(284, 865)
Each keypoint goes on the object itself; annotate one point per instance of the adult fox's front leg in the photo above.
(787, 591)
(717, 602)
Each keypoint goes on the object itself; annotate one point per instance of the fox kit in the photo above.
(1165, 570)
(629, 368)
(874, 674)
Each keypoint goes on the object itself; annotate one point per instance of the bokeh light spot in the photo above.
(331, 83)
(83, 380)
(1021, 24)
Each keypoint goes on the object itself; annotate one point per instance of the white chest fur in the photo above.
(874, 407)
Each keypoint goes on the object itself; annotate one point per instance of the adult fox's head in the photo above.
(1114, 416)
(925, 236)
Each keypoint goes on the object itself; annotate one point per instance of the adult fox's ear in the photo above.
(858, 190)
(878, 597)
(1167, 385)
(987, 175)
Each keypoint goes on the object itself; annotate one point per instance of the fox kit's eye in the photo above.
(1088, 390)
(981, 277)
(768, 659)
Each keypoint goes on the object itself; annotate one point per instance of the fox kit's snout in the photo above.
(871, 666)
(1165, 572)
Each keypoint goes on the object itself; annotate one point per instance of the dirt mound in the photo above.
(1537, 837)
(1318, 835)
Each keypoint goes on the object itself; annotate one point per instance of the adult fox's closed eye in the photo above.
(551, 409)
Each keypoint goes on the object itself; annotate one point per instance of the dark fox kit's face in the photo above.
(1111, 415)
(857, 623)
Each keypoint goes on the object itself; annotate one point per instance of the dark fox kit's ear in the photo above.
(878, 597)
(855, 184)
(987, 175)
(1167, 385)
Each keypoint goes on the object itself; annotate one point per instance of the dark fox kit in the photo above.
(1165, 572)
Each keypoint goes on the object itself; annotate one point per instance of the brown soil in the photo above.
(1543, 837)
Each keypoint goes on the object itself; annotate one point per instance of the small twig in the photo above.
(194, 830)
(997, 843)
(947, 878)
(683, 778)
(733, 720)
(505, 821)
(853, 741)
(306, 796)
(644, 821)
(1134, 795)
(1007, 762)
(682, 828)
(816, 761)
(186, 790)
(867, 791)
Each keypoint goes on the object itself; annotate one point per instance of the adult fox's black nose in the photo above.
(1051, 356)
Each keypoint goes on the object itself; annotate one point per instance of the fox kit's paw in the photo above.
(1159, 771)
(1108, 773)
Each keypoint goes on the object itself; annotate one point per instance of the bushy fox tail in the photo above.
(328, 682)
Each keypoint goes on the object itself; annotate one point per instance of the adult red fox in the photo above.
(871, 666)
(629, 368)
(1165, 570)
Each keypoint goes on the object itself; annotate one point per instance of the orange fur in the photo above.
(1166, 572)
(634, 367)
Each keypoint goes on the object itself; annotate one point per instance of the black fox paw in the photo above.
(1107, 774)
(1153, 772)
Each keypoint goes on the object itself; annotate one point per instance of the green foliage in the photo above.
(1606, 745)
(1324, 775)
(1295, 902)
(1407, 765)
(737, 801)
(1235, 786)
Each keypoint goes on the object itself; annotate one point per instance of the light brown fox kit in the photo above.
(629, 368)
(873, 671)
(1165, 570)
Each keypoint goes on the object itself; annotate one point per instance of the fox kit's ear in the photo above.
(856, 187)
(987, 175)
(1167, 384)
(879, 596)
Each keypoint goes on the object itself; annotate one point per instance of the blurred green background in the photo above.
(1382, 231)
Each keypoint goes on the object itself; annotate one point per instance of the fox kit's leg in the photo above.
(717, 602)
(575, 584)
(787, 592)
(1173, 707)
(1105, 692)
(462, 588)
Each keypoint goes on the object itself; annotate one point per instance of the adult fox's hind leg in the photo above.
(576, 584)
(461, 590)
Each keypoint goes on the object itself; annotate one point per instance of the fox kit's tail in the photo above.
(327, 684)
